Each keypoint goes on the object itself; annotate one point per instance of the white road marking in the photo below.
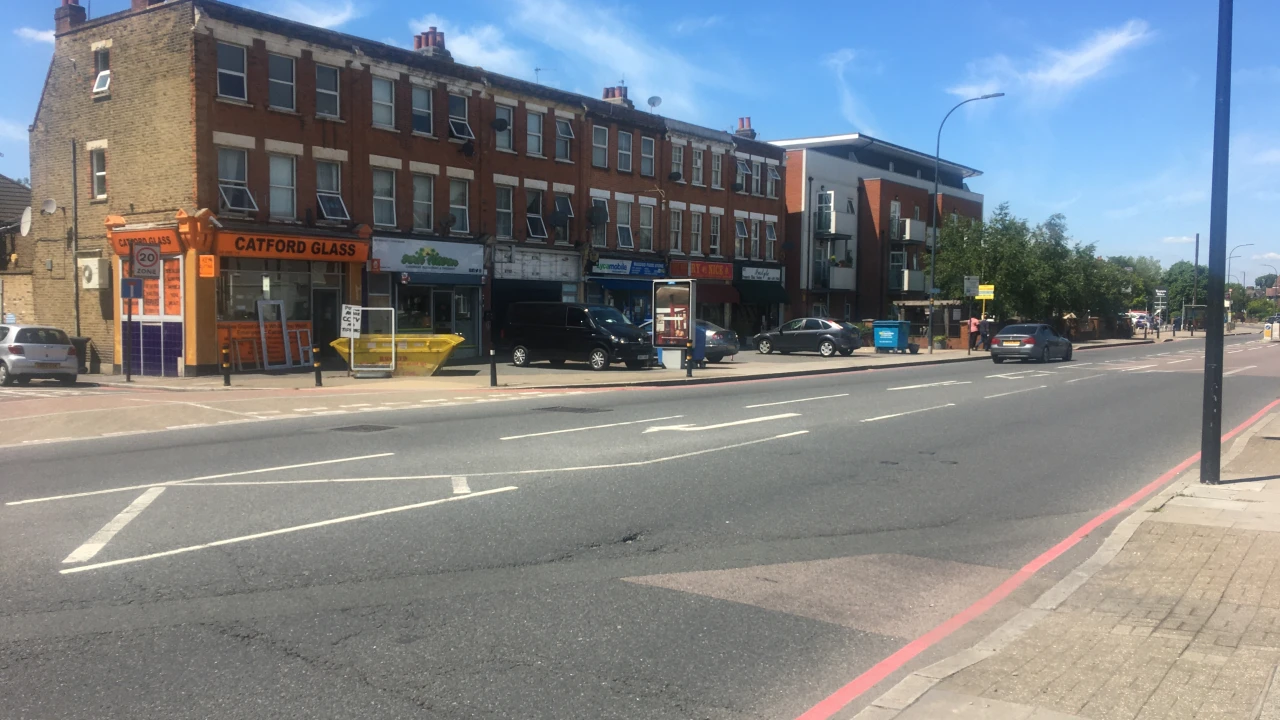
(184, 427)
(330, 412)
(917, 387)
(1175, 362)
(1233, 352)
(1233, 372)
(909, 412)
(282, 531)
(1015, 392)
(460, 486)
(787, 402)
(360, 405)
(310, 409)
(108, 531)
(694, 428)
(1087, 377)
(196, 479)
(259, 412)
(120, 433)
(1136, 367)
(589, 427)
(1011, 375)
(1076, 365)
(401, 402)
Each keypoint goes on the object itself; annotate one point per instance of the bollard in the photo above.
(688, 359)
(493, 368)
(315, 362)
(226, 366)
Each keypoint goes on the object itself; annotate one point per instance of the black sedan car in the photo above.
(827, 337)
(1029, 342)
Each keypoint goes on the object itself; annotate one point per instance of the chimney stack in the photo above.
(744, 129)
(68, 16)
(136, 5)
(431, 44)
(617, 95)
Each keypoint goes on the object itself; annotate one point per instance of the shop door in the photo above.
(275, 338)
(442, 311)
(326, 308)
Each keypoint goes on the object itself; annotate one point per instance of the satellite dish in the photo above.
(499, 124)
(448, 222)
(675, 176)
(598, 216)
(49, 207)
(26, 222)
(654, 102)
(737, 187)
(557, 219)
(468, 148)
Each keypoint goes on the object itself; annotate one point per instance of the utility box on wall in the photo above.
(95, 273)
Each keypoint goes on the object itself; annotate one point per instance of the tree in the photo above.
(1179, 279)
(1260, 308)
(1265, 281)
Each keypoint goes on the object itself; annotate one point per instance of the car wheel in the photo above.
(826, 348)
(6, 379)
(1067, 357)
(997, 359)
(599, 359)
(1044, 355)
(67, 379)
(520, 356)
(846, 353)
(765, 347)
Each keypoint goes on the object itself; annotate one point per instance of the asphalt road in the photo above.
(721, 551)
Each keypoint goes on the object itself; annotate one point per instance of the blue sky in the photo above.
(1108, 116)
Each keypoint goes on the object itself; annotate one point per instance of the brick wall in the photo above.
(16, 297)
(145, 119)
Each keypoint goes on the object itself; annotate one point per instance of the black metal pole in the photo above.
(75, 229)
(226, 366)
(1211, 423)
(128, 344)
(315, 363)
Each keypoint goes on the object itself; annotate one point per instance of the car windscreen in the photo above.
(608, 316)
(1020, 330)
(42, 336)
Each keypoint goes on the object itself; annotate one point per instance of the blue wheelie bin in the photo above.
(892, 336)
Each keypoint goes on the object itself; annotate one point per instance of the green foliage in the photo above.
(1260, 308)
(1265, 281)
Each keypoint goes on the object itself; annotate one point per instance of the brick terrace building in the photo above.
(15, 285)
(284, 170)
(858, 208)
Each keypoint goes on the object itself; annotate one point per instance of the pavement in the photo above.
(735, 551)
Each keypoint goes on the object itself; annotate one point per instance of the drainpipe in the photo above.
(75, 232)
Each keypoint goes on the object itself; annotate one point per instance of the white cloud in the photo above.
(691, 25)
(1178, 240)
(1054, 73)
(33, 35)
(484, 45)
(10, 130)
(853, 111)
(321, 13)
(1268, 256)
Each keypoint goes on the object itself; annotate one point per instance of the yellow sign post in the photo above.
(985, 293)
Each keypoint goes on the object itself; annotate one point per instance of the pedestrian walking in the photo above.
(973, 331)
(984, 327)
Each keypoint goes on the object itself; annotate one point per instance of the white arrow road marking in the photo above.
(1233, 372)
(590, 427)
(748, 421)
(1015, 392)
(108, 531)
(929, 385)
(909, 412)
(788, 402)
(460, 486)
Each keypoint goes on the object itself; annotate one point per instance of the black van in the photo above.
(554, 331)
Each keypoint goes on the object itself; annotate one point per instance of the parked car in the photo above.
(32, 352)
(556, 332)
(827, 337)
(721, 343)
(1029, 342)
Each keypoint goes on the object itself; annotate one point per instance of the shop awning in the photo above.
(714, 292)
(416, 278)
(758, 292)
(610, 283)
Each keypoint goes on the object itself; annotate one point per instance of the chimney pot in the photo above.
(746, 122)
(417, 42)
(440, 40)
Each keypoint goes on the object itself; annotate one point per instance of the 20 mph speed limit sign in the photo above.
(146, 261)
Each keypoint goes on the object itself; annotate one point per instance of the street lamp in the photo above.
(933, 210)
(1232, 254)
(1274, 282)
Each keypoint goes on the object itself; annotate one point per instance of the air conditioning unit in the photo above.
(95, 273)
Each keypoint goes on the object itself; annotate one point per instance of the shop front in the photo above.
(156, 333)
(761, 297)
(433, 285)
(624, 284)
(716, 295)
(529, 273)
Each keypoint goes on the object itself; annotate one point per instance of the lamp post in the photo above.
(933, 210)
(1273, 282)
(1233, 254)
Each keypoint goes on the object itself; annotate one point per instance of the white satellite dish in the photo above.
(26, 222)
(49, 207)
(654, 102)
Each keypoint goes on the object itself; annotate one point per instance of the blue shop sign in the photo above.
(617, 266)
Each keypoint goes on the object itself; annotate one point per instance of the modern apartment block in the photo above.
(858, 209)
(283, 170)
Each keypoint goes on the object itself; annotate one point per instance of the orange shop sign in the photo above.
(166, 238)
(286, 247)
(702, 270)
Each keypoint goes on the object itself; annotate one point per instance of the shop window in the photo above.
(280, 85)
(459, 205)
(717, 161)
(677, 161)
(697, 167)
(504, 137)
(646, 227)
(384, 197)
(506, 218)
(424, 187)
(695, 233)
(231, 79)
(327, 91)
(755, 239)
(599, 233)
(677, 231)
(281, 196)
(233, 181)
(459, 126)
(771, 189)
(564, 206)
(102, 71)
(624, 151)
(422, 106)
(713, 236)
(600, 146)
(245, 281)
(647, 153)
(740, 238)
(625, 239)
(770, 240)
(564, 136)
(533, 215)
(384, 102)
(98, 164)
(533, 132)
(329, 191)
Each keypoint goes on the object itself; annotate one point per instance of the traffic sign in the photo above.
(971, 285)
(146, 261)
(131, 289)
(350, 321)
(986, 292)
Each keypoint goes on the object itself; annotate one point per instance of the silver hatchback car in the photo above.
(32, 351)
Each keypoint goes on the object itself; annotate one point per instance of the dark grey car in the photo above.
(1029, 342)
